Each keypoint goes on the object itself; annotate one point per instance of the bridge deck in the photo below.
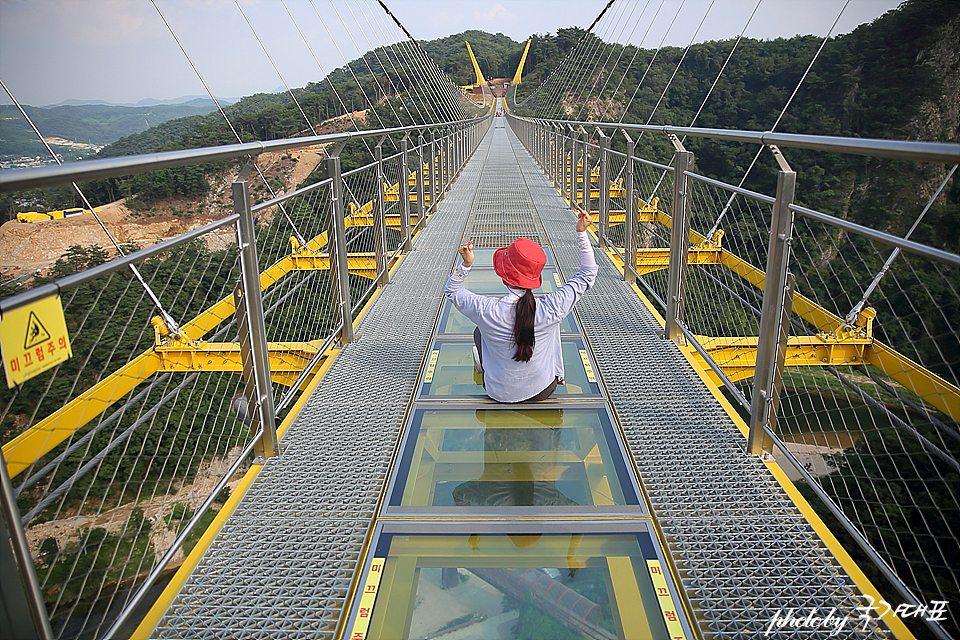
(287, 558)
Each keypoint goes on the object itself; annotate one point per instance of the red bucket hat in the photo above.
(520, 264)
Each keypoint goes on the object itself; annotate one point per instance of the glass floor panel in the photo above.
(484, 257)
(512, 586)
(479, 461)
(452, 322)
(450, 374)
(487, 282)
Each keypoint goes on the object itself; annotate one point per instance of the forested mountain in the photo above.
(896, 78)
(96, 124)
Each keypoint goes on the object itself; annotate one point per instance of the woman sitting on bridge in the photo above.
(518, 336)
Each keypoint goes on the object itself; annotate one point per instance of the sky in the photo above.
(120, 51)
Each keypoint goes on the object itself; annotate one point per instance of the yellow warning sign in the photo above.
(591, 376)
(36, 333)
(431, 367)
(33, 338)
(367, 598)
(556, 278)
(671, 615)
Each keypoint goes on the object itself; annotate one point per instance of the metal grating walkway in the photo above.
(742, 548)
(283, 563)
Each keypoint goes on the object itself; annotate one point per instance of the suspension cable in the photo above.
(623, 48)
(854, 315)
(263, 178)
(390, 54)
(733, 196)
(363, 59)
(578, 80)
(347, 65)
(329, 80)
(650, 66)
(275, 68)
(638, 48)
(545, 84)
(613, 46)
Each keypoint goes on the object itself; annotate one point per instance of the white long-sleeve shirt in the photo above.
(505, 379)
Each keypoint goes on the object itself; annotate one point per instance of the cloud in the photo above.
(496, 13)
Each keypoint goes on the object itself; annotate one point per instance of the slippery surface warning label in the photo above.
(34, 338)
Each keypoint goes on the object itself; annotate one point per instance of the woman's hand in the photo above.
(466, 254)
(583, 220)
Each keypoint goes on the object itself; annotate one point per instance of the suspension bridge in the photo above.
(288, 438)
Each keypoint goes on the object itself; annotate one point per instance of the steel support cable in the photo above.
(569, 53)
(444, 86)
(167, 318)
(572, 69)
(347, 65)
(275, 68)
(325, 75)
(564, 79)
(638, 48)
(854, 315)
(578, 82)
(442, 97)
(656, 53)
(680, 64)
(623, 48)
(363, 58)
(409, 85)
(236, 135)
(377, 56)
(579, 70)
(714, 85)
(617, 20)
(783, 111)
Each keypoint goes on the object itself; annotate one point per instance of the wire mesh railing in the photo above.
(854, 387)
(120, 457)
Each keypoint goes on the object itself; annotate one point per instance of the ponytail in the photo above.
(523, 327)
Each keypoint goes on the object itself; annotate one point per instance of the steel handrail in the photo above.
(944, 152)
(35, 177)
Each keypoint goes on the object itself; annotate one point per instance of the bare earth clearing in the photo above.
(30, 247)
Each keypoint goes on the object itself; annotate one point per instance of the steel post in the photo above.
(630, 221)
(379, 221)
(404, 181)
(434, 192)
(604, 190)
(22, 600)
(421, 188)
(338, 245)
(250, 316)
(586, 173)
(765, 397)
(679, 246)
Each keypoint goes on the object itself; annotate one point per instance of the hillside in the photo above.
(93, 124)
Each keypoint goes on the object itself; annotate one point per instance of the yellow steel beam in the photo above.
(932, 388)
(523, 58)
(359, 264)
(476, 66)
(285, 357)
(42, 437)
(738, 356)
